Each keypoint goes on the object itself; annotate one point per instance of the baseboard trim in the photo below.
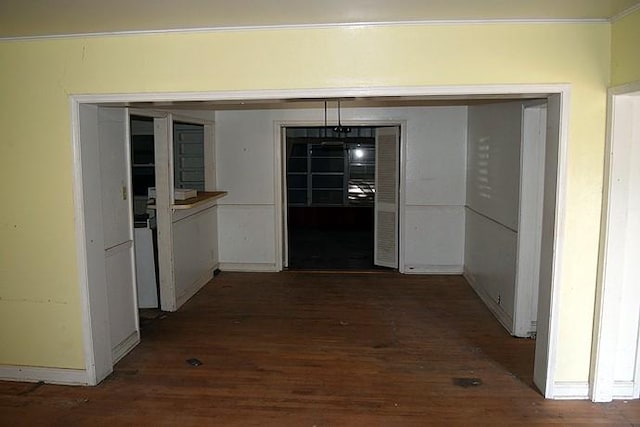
(434, 269)
(570, 390)
(122, 349)
(623, 390)
(35, 374)
(503, 317)
(248, 267)
(196, 286)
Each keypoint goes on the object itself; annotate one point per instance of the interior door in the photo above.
(534, 132)
(385, 252)
(117, 215)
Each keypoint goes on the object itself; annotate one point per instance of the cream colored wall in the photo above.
(40, 316)
(625, 49)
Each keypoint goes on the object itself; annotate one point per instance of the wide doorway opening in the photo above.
(251, 170)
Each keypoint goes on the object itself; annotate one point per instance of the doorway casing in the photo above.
(92, 332)
(282, 249)
(617, 311)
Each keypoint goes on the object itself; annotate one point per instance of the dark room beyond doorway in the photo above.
(330, 184)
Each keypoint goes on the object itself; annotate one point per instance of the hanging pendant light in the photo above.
(340, 129)
(333, 141)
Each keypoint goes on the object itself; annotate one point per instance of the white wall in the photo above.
(433, 238)
(434, 184)
(493, 181)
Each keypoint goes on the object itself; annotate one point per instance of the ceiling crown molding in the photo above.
(437, 22)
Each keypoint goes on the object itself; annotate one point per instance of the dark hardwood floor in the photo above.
(302, 349)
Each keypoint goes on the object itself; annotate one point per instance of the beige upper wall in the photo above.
(625, 49)
(40, 312)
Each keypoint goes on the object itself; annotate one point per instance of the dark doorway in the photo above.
(330, 197)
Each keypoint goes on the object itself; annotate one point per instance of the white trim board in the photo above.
(525, 91)
(92, 333)
(88, 329)
(346, 25)
(34, 374)
(624, 390)
(249, 267)
(554, 217)
(570, 390)
(433, 269)
(122, 349)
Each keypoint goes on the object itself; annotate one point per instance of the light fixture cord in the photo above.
(339, 121)
(325, 120)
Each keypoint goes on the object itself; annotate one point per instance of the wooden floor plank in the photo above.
(310, 349)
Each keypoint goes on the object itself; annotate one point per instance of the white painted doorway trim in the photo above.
(622, 161)
(92, 333)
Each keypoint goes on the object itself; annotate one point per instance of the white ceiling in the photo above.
(25, 18)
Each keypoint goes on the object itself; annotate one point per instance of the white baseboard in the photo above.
(503, 317)
(433, 269)
(191, 290)
(125, 346)
(623, 390)
(249, 267)
(34, 374)
(570, 390)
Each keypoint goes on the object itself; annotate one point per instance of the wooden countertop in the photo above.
(202, 198)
